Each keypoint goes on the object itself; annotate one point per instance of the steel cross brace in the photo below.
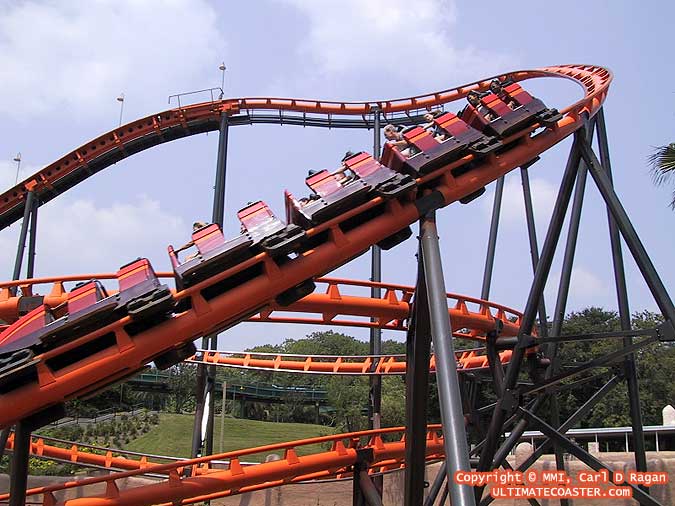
(596, 362)
(588, 459)
(569, 423)
(505, 404)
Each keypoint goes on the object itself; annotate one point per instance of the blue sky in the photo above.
(63, 67)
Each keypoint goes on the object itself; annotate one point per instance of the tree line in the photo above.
(347, 396)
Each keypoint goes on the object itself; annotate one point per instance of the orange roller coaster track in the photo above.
(467, 360)
(203, 483)
(247, 289)
(330, 308)
(166, 126)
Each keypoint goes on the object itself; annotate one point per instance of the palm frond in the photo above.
(662, 161)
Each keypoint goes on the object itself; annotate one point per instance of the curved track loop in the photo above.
(213, 483)
(166, 126)
(471, 317)
(467, 360)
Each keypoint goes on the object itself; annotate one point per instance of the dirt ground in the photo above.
(340, 493)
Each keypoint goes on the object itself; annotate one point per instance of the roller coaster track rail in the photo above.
(331, 245)
(109, 148)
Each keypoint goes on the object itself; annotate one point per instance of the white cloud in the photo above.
(395, 37)
(585, 285)
(83, 55)
(586, 289)
(513, 205)
(79, 236)
(8, 173)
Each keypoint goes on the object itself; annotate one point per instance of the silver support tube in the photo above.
(452, 417)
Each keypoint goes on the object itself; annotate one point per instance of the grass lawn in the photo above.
(173, 436)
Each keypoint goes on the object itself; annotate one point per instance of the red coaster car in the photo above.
(432, 153)
(381, 179)
(214, 254)
(332, 196)
(490, 113)
(268, 231)
(87, 308)
(515, 96)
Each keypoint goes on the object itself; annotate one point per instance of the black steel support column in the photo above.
(492, 240)
(534, 247)
(22, 238)
(551, 350)
(4, 435)
(630, 368)
(206, 375)
(18, 482)
(32, 238)
(21, 452)
(506, 401)
(629, 234)
(418, 354)
(452, 417)
(375, 405)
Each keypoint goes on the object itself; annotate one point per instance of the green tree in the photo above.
(349, 396)
(662, 161)
(182, 380)
(655, 369)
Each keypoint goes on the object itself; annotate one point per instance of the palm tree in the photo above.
(662, 161)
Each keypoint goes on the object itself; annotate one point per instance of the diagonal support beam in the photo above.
(504, 405)
(628, 232)
(624, 310)
(532, 237)
(572, 420)
(596, 362)
(437, 485)
(583, 455)
(569, 423)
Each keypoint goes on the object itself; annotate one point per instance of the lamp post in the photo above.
(17, 159)
(120, 99)
(222, 68)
